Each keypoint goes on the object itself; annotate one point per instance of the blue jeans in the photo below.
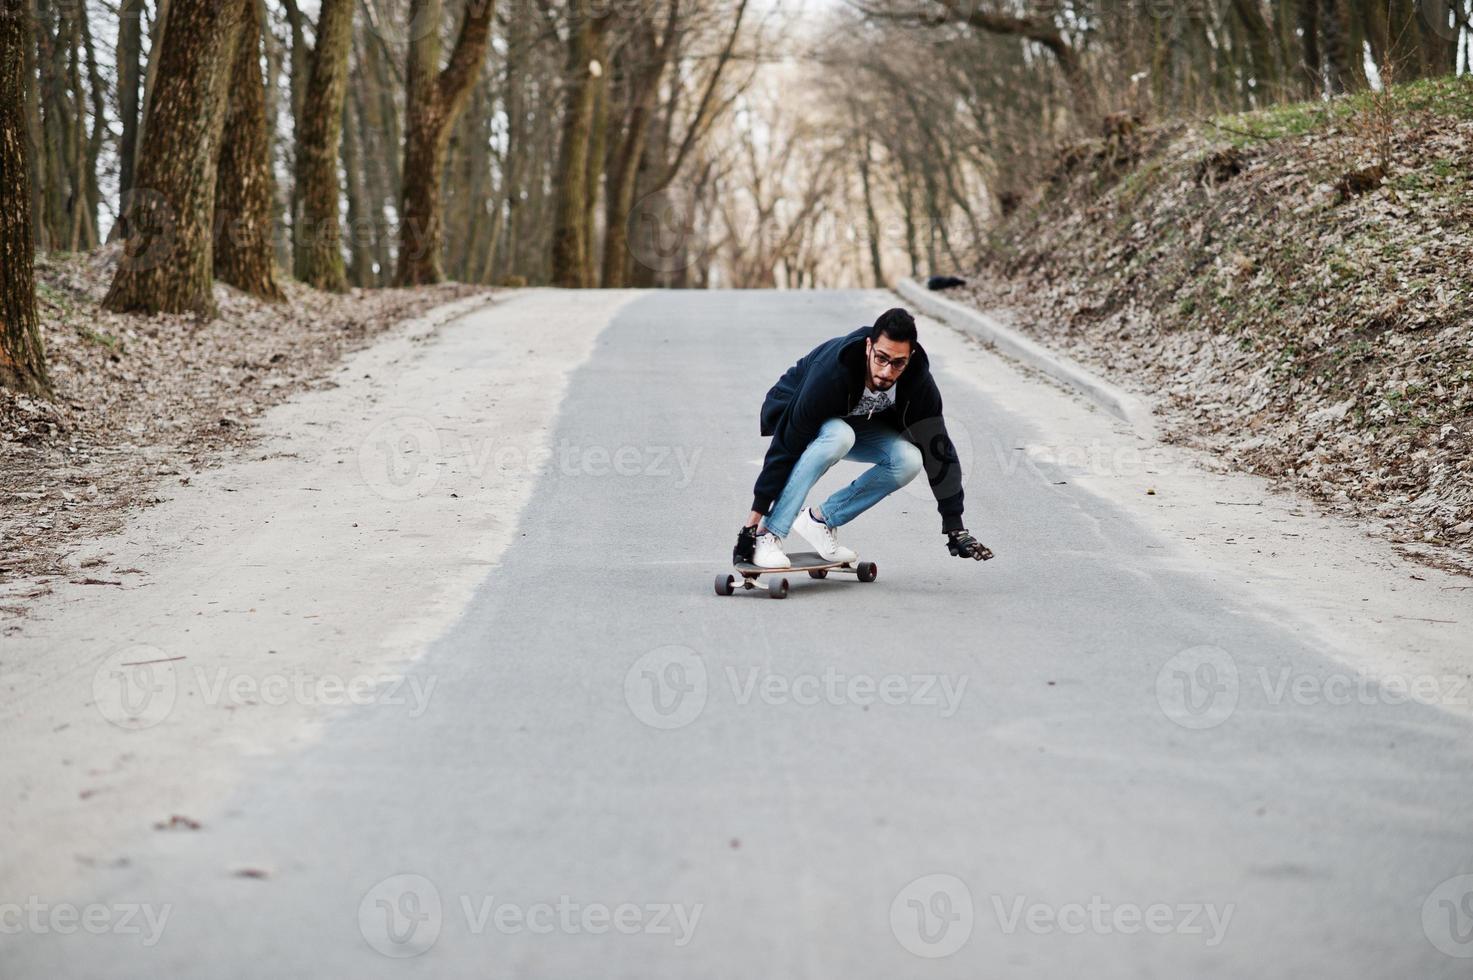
(896, 459)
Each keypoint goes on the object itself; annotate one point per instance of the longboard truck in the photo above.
(775, 580)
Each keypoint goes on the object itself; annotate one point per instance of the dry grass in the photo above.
(1294, 286)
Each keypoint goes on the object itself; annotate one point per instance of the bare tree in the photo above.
(22, 357)
(570, 235)
(167, 262)
(435, 98)
(244, 187)
(317, 239)
(129, 57)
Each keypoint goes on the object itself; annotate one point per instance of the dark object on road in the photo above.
(944, 282)
(777, 578)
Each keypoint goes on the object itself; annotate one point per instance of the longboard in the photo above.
(777, 582)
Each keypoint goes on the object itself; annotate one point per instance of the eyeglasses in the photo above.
(885, 361)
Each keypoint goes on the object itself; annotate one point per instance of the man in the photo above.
(868, 396)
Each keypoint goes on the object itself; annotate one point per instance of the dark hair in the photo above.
(897, 324)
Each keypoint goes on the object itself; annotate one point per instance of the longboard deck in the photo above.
(803, 561)
(775, 580)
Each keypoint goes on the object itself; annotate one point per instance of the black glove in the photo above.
(963, 545)
(745, 546)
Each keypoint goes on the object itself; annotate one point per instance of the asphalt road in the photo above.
(1078, 759)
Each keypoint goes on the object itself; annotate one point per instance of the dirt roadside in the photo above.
(261, 608)
(1289, 287)
(145, 403)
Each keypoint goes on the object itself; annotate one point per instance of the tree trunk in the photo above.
(97, 89)
(518, 142)
(1260, 48)
(34, 133)
(167, 262)
(871, 223)
(1439, 39)
(22, 357)
(151, 72)
(475, 126)
(597, 158)
(317, 256)
(623, 169)
(375, 183)
(907, 200)
(598, 150)
(276, 57)
(619, 197)
(244, 187)
(300, 58)
(76, 235)
(570, 230)
(360, 233)
(1309, 36)
(433, 100)
(56, 127)
(1339, 74)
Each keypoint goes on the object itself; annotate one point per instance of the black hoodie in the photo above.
(825, 384)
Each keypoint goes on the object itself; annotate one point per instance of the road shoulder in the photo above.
(1384, 616)
(314, 570)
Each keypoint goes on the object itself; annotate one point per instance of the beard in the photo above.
(880, 384)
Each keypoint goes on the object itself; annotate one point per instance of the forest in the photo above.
(392, 144)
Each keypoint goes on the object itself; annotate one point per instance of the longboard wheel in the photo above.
(777, 588)
(867, 571)
(818, 573)
(724, 584)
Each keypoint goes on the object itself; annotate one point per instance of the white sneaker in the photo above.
(823, 538)
(769, 552)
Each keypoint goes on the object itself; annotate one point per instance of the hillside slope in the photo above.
(1293, 286)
